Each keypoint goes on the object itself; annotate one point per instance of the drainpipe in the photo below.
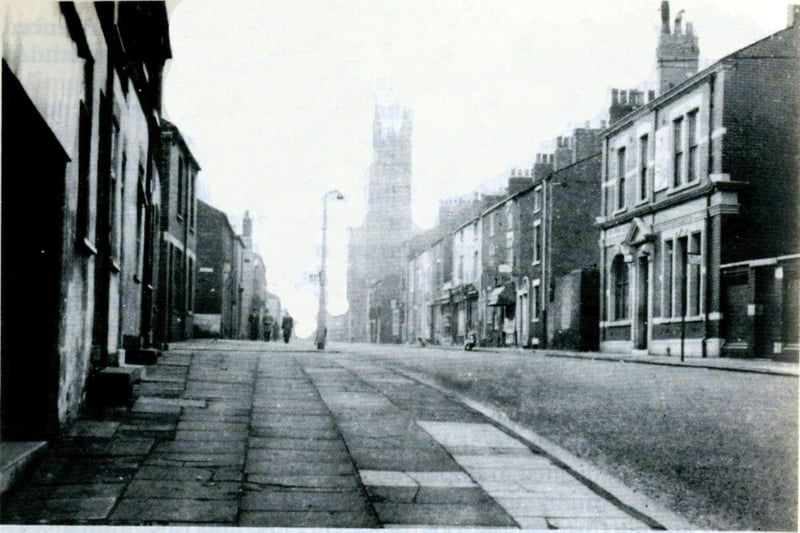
(707, 218)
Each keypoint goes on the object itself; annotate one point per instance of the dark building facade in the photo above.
(218, 285)
(178, 238)
(375, 248)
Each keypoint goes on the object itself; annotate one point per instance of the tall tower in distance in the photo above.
(389, 183)
(374, 252)
(677, 53)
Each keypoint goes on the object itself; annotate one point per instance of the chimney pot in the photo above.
(603, 124)
(794, 15)
(614, 96)
(651, 95)
(623, 97)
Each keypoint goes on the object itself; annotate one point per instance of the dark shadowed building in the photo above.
(219, 275)
(178, 171)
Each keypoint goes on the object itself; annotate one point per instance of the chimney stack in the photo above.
(677, 55)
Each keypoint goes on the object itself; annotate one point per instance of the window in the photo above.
(84, 164)
(509, 217)
(141, 210)
(691, 133)
(460, 268)
(181, 192)
(537, 199)
(621, 178)
(536, 302)
(510, 248)
(677, 144)
(537, 241)
(491, 226)
(667, 277)
(190, 286)
(694, 273)
(475, 231)
(190, 199)
(681, 268)
(475, 266)
(643, 155)
(620, 272)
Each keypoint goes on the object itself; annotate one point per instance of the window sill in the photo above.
(617, 323)
(682, 187)
(537, 262)
(677, 319)
(619, 211)
(86, 247)
(114, 266)
(137, 279)
(642, 202)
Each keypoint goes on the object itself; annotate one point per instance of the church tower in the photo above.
(677, 53)
(374, 253)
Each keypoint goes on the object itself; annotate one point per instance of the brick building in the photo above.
(219, 283)
(699, 214)
(79, 120)
(178, 239)
(254, 285)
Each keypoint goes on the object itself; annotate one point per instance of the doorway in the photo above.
(33, 165)
(643, 303)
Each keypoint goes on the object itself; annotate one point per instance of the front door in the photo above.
(642, 303)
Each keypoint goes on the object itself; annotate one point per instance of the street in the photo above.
(266, 434)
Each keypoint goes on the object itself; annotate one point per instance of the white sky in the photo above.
(276, 99)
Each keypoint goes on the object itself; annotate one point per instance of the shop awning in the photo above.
(501, 296)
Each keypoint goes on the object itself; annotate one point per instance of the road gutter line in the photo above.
(641, 505)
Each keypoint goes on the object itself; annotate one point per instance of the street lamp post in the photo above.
(322, 318)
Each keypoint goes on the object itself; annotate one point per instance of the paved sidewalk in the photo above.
(754, 365)
(250, 434)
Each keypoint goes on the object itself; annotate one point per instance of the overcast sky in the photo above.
(276, 99)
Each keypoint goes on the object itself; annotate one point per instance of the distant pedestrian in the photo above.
(286, 325)
(266, 322)
(253, 326)
(276, 331)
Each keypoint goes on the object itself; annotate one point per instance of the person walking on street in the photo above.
(286, 325)
(267, 326)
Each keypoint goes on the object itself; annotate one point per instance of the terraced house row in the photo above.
(100, 223)
(673, 230)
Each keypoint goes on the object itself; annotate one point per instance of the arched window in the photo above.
(619, 271)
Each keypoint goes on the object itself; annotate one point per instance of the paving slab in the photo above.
(93, 428)
(202, 490)
(299, 469)
(486, 514)
(297, 456)
(322, 482)
(102, 448)
(275, 443)
(195, 459)
(321, 519)
(162, 510)
(305, 500)
(62, 510)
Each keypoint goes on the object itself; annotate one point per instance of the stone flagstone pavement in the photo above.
(237, 433)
